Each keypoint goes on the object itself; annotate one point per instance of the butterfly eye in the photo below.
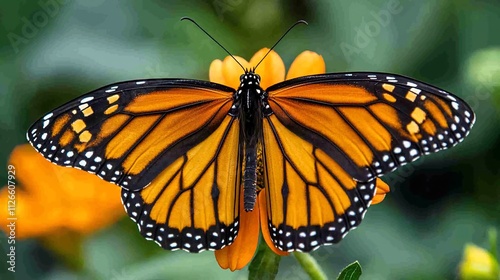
(242, 77)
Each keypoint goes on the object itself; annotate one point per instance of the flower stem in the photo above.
(310, 266)
(265, 264)
(492, 236)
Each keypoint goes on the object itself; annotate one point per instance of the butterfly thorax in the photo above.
(250, 100)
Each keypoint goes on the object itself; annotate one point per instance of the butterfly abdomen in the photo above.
(250, 178)
(249, 93)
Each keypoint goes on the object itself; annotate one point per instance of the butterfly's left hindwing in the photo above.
(330, 137)
(193, 204)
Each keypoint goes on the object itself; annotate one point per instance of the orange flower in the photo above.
(50, 199)
(271, 71)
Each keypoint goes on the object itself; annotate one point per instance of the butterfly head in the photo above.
(249, 79)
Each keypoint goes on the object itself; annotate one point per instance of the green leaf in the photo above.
(265, 264)
(351, 272)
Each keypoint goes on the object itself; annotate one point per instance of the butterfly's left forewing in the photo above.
(127, 133)
(330, 137)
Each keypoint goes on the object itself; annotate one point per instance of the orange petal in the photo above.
(63, 198)
(272, 68)
(215, 72)
(232, 71)
(31, 171)
(307, 63)
(264, 224)
(238, 255)
(382, 190)
(26, 205)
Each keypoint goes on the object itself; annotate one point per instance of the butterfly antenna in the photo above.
(192, 20)
(282, 36)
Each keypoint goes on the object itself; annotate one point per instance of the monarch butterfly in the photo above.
(185, 151)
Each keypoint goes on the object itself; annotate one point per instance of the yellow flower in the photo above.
(271, 71)
(478, 264)
(50, 199)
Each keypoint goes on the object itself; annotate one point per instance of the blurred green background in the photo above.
(436, 205)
